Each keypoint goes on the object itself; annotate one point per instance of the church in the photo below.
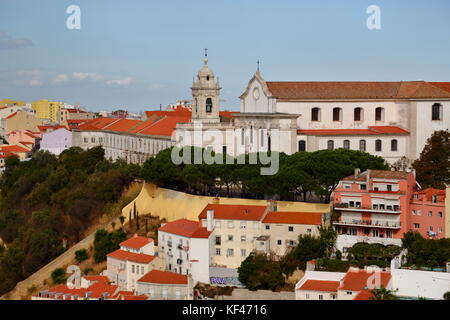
(387, 119)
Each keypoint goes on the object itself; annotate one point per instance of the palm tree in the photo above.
(382, 294)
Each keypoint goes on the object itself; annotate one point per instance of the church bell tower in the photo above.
(205, 95)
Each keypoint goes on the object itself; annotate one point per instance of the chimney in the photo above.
(357, 172)
(210, 220)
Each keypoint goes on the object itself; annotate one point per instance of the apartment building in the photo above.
(241, 229)
(355, 284)
(164, 285)
(131, 261)
(379, 206)
(185, 246)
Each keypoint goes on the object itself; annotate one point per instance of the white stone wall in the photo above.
(164, 291)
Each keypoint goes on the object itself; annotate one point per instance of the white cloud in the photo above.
(60, 78)
(87, 76)
(36, 83)
(120, 82)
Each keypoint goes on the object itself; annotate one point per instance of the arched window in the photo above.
(347, 144)
(330, 144)
(315, 114)
(378, 145)
(362, 145)
(394, 145)
(302, 146)
(379, 114)
(337, 114)
(436, 111)
(209, 105)
(358, 114)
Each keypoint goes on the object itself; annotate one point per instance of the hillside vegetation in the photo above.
(47, 203)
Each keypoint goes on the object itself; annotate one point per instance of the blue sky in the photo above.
(140, 54)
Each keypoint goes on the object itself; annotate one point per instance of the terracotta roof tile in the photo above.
(234, 212)
(165, 126)
(320, 285)
(357, 280)
(164, 277)
(131, 256)
(186, 228)
(136, 242)
(355, 90)
(379, 174)
(311, 218)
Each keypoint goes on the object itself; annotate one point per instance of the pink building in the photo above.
(379, 206)
(428, 213)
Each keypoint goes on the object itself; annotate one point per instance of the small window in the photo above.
(347, 144)
(315, 114)
(302, 146)
(267, 227)
(434, 199)
(337, 114)
(243, 238)
(243, 253)
(362, 145)
(436, 111)
(357, 114)
(230, 237)
(279, 242)
(416, 226)
(389, 187)
(378, 145)
(291, 229)
(394, 145)
(209, 105)
(379, 114)
(363, 187)
(430, 213)
(330, 144)
(217, 251)
(440, 214)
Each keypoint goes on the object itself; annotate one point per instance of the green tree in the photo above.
(446, 295)
(382, 294)
(81, 255)
(58, 276)
(433, 166)
(258, 272)
(327, 237)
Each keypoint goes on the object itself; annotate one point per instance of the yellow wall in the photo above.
(12, 102)
(22, 121)
(47, 109)
(173, 205)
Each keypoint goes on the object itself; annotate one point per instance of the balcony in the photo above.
(369, 223)
(376, 208)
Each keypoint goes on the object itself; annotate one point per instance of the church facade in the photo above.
(387, 119)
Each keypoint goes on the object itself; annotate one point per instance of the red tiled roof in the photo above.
(131, 256)
(122, 125)
(363, 295)
(186, 228)
(6, 154)
(357, 280)
(136, 242)
(44, 128)
(234, 212)
(14, 148)
(165, 126)
(356, 90)
(164, 277)
(98, 289)
(11, 115)
(320, 285)
(380, 174)
(372, 130)
(70, 110)
(427, 194)
(314, 218)
(97, 124)
(442, 85)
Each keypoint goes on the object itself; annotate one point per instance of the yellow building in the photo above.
(11, 102)
(47, 109)
(21, 120)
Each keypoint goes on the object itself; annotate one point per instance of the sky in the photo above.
(137, 54)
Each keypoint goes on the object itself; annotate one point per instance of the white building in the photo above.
(242, 229)
(134, 259)
(164, 285)
(185, 246)
(387, 119)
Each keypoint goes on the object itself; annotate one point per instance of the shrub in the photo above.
(81, 255)
(58, 276)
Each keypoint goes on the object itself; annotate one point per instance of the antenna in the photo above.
(206, 52)
(257, 65)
